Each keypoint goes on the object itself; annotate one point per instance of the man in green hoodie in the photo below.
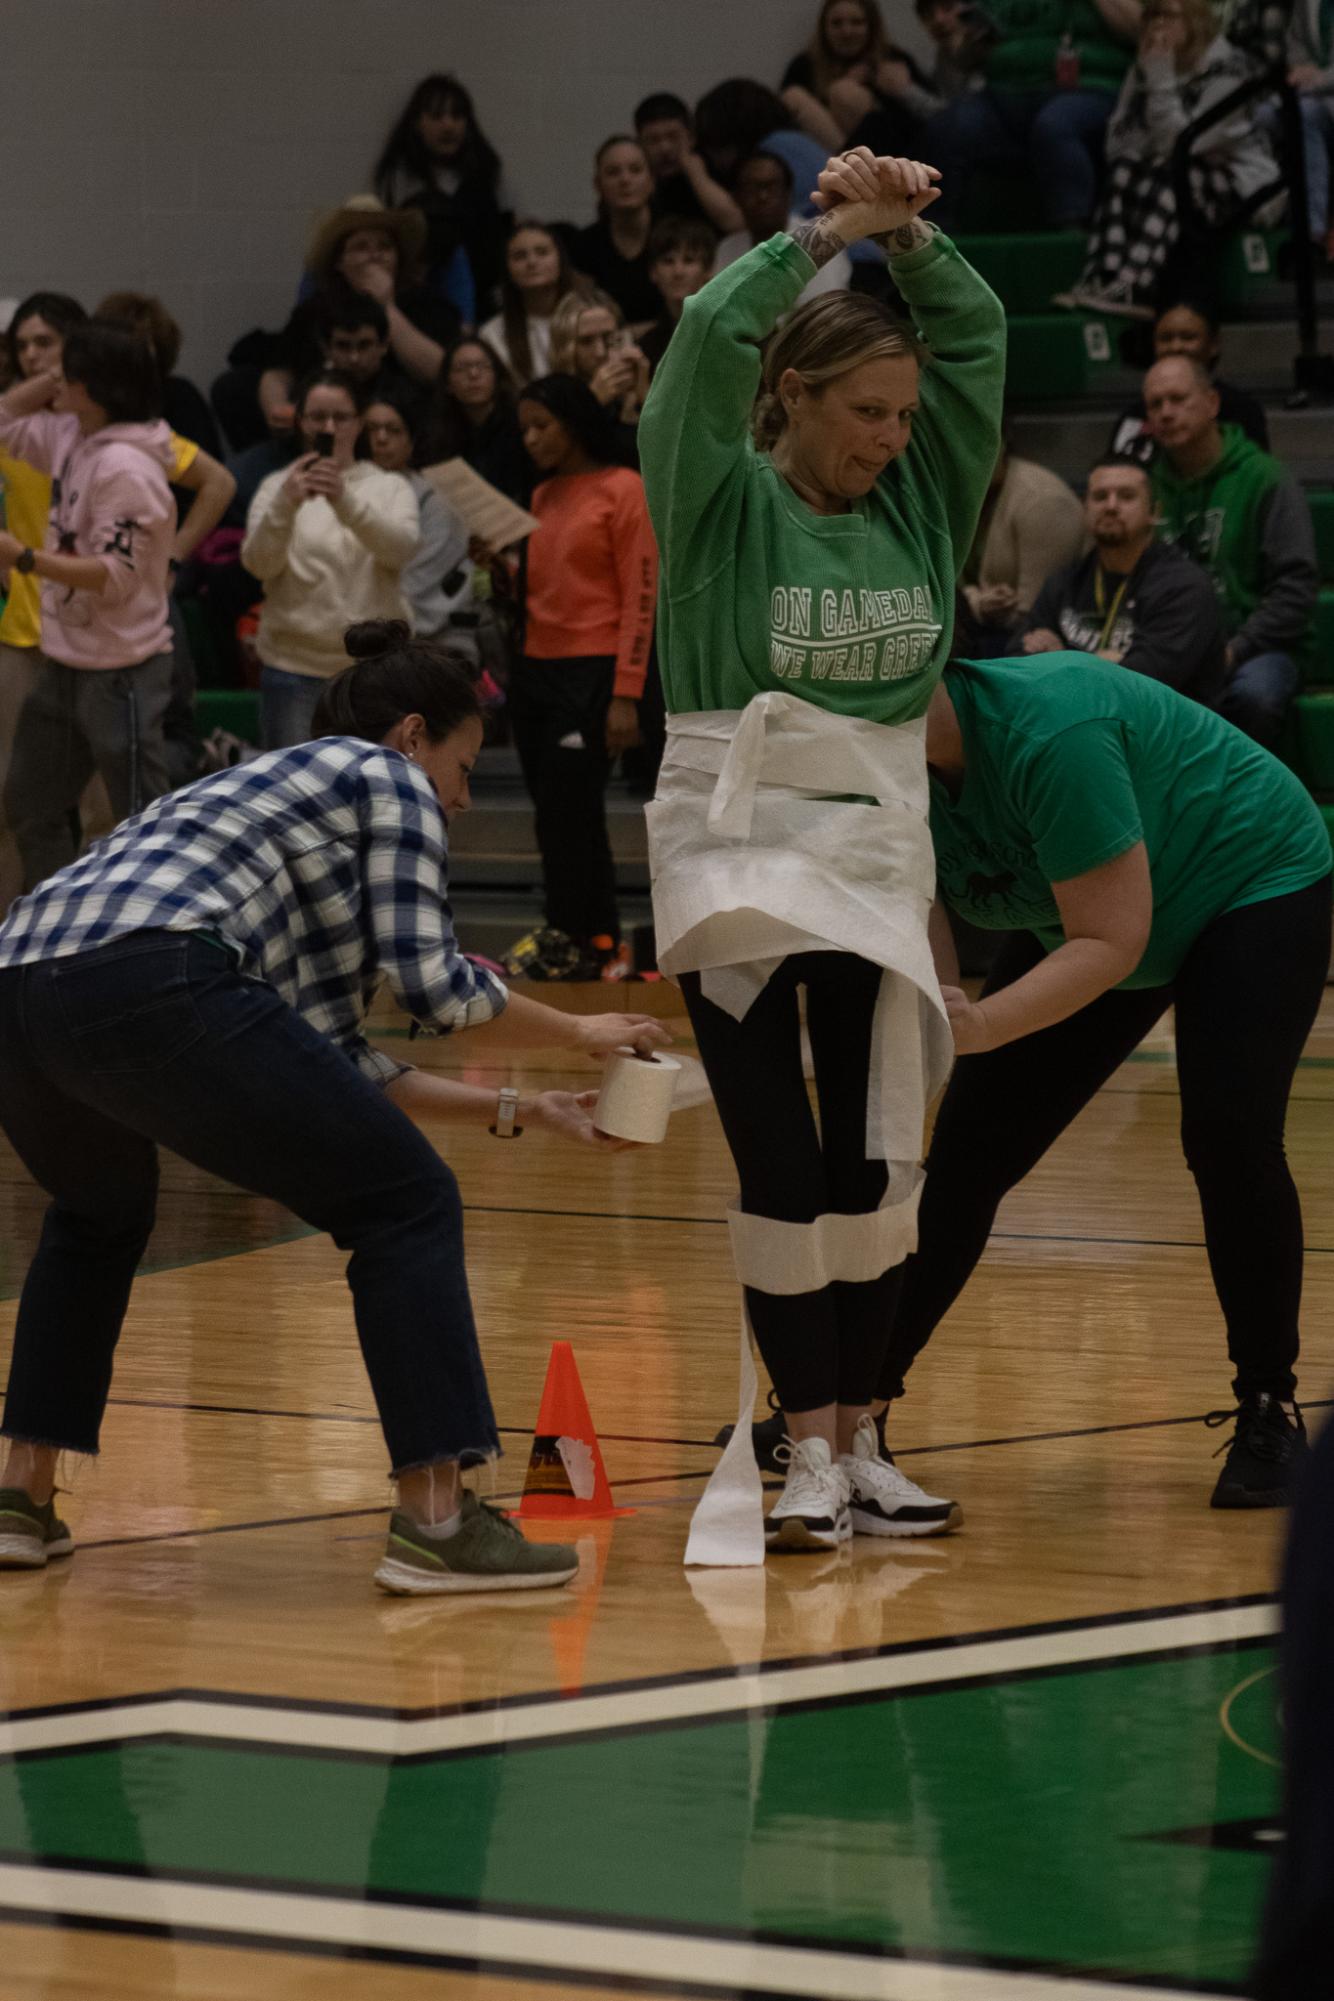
(1236, 512)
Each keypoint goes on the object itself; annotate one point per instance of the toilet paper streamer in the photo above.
(635, 1101)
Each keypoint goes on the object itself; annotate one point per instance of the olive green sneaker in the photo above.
(30, 1536)
(487, 1553)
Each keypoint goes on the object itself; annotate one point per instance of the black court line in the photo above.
(694, 1444)
(360, 1417)
(680, 1678)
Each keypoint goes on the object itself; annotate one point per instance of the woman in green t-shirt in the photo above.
(807, 581)
(1145, 854)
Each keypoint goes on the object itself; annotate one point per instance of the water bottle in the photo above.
(1067, 64)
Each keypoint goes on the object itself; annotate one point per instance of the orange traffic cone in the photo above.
(566, 1479)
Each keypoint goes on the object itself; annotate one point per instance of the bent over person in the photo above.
(808, 576)
(199, 981)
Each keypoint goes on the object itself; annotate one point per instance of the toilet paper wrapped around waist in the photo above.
(635, 1101)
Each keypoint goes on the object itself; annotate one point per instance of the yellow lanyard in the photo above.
(1098, 599)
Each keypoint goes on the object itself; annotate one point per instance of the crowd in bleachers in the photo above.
(152, 537)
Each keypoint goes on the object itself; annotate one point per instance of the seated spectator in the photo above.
(1189, 328)
(849, 73)
(591, 591)
(103, 673)
(963, 35)
(183, 407)
(1182, 70)
(1244, 520)
(764, 195)
(436, 582)
(1051, 80)
(1132, 599)
(1310, 59)
(354, 340)
(682, 183)
(473, 417)
(1031, 523)
(738, 117)
(438, 159)
(328, 539)
(362, 249)
(589, 339)
(538, 275)
(680, 261)
(613, 251)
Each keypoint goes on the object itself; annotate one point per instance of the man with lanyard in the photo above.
(1132, 599)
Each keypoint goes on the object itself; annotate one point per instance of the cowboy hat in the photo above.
(407, 226)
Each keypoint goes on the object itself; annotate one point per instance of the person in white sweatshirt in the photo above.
(328, 537)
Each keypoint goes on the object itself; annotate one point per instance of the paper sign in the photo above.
(481, 507)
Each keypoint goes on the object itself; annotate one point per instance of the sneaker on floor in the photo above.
(812, 1510)
(766, 1437)
(1264, 1454)
(30, 1536)
(885, 1501)
(486, 1553)
(545, 954)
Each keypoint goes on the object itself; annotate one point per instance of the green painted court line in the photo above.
(1061, 1821)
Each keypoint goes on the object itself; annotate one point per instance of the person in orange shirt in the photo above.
(591, 588)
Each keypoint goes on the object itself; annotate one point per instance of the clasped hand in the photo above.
(880, 194)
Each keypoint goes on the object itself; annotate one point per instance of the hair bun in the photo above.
(371, 637)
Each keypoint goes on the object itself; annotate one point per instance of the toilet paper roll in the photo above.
(635, 1101)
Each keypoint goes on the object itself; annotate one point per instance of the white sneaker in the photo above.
(885, 1501)
(812, 1510)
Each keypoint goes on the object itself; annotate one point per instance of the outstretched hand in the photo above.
(570, 1113)
(872, 195)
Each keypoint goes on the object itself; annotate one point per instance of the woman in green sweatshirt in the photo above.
(808, 576)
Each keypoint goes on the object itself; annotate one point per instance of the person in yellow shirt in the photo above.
(34, 342)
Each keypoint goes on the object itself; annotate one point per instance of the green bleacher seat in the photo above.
(1024, 271)
(1327, 815)
(1322, 514)
(1247, 264)
(232, 709)
(1056, 356)
(1312, 740)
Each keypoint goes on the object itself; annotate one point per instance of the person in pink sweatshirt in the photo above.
(100, 694)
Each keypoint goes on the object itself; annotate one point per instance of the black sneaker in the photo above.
(1264, 1454)
(766, 1437)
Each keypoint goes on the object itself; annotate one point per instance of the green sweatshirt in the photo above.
(1031, 34)
(1247, 523)
(851, 611)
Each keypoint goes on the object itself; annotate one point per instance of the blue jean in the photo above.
(1058, 132)
(287, 707)
(155, 1039)
(1259, 695)
(1317, 144)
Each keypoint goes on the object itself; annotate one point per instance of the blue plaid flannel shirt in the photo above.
(324, 868)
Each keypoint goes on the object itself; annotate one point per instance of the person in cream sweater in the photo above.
(328, 537)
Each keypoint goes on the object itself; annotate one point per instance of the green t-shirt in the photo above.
(1031, 33)
(757, 591)
(1069, 761)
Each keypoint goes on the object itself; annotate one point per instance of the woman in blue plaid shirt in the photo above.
(199, 980)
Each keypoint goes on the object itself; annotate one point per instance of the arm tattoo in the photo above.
(819, 239)
(909, 236)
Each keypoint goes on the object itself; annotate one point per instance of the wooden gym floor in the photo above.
(1034, 1759)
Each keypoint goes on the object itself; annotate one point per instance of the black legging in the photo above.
(1245, 998)
(819, 1347)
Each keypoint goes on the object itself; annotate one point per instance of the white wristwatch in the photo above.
(507, 1107)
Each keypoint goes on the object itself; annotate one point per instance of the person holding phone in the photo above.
(328, 537)
(589, 338)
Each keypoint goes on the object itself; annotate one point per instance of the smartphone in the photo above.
(324, 444)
